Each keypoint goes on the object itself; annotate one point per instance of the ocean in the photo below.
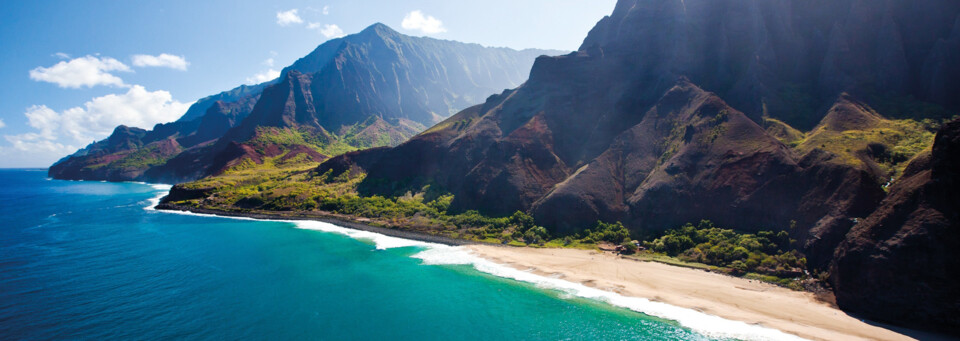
(91, 260)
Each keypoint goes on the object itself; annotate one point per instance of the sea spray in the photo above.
(162, 190)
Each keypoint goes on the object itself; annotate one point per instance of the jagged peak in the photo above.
(379, 29)
(848, 113)
(123, 129)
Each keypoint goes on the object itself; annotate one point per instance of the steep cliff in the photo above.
(901, 263)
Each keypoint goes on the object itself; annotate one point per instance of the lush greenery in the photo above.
(142, 158)
(605, 232)
(888, 144)
(764, 252)
(291, 184)
(322, 142)
(269, 187)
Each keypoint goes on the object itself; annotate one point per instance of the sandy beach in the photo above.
(798, 313)
(738, 299)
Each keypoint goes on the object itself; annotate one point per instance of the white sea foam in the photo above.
(161, 187)
(702, 323)
(162, 190)
(439, 254)
(381, 241)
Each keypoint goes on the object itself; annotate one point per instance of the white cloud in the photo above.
(61, 55)
(43, 119)
(2, 124)
(98, 117)
(88, 71)
(58, 133)
(162, 60)
(288, 17)
(268, 75)
(269, 62)
(329, 31)
(426, 24)
(34, 143)
(326, 10)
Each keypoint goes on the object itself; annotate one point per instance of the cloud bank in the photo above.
(95, 120)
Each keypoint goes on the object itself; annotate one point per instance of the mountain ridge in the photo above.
(388, 74)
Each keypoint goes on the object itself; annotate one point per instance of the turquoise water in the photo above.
(85, 260)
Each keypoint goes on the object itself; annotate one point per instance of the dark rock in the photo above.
(900, 264)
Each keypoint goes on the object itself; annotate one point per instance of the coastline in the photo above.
(727, 297)
(738, 299)
(331, 219)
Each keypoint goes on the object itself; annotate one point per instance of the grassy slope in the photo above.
(898, 140)
(293, 186)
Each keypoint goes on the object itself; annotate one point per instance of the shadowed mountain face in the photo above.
(655, 121)
(790, 59)
(350, 90)
(902, 262)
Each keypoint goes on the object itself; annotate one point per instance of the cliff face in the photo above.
(353, 90)
(790, 59)
(609, 133)
(654, 121)
(901, 263)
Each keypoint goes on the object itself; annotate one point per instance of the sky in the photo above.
(71, 71)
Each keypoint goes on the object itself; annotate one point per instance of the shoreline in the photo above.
(331, 219)
(733, 298)
(724, 296)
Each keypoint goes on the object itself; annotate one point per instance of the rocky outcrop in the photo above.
(901, 263)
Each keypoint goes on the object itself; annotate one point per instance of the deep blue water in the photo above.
(85, 260)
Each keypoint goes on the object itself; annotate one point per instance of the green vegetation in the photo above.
(323, 143)
(268, 188)
(613, 233)
(142, 158)
(375, 132)
(889, 143)
(783, 132)
(765, 252)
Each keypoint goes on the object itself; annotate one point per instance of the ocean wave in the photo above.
(439, 254)
(381, 241)
(709, 325)
(162, 189)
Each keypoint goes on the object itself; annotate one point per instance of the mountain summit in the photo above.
(374, 88)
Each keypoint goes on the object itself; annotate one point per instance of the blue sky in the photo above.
(70, 71)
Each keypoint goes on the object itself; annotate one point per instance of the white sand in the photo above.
(798, 313)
